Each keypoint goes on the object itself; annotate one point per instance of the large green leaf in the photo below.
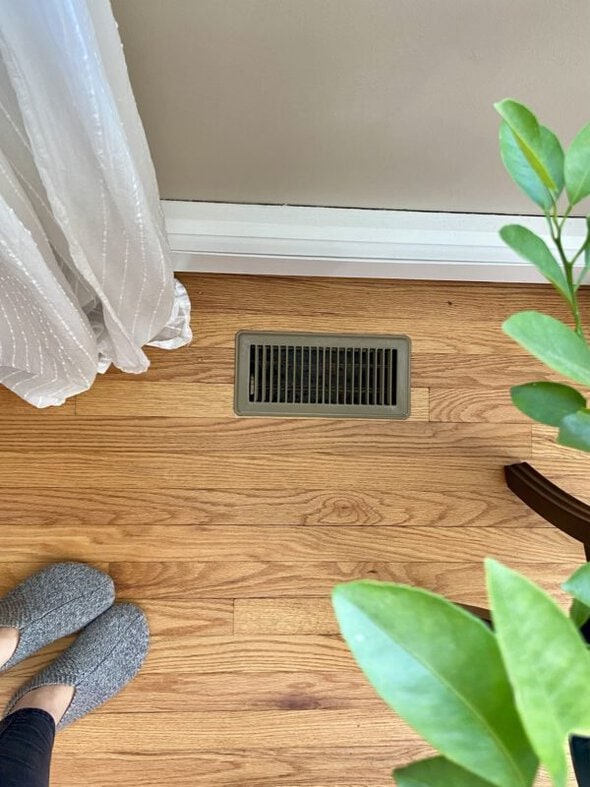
(436, 772)
(534, 249)
(579, 613)
(552, 342)
(574, 430)
(577, 167)
(440, 668)
(548, 403)
(552, 154)
(526, 130)
(547, 663)
(578, 586)
(521, 171)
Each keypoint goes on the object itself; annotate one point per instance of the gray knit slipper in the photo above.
(53, 603)
(103, 659)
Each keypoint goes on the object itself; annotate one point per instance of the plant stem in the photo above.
(581, 250)
(568, 269)
(565, 216)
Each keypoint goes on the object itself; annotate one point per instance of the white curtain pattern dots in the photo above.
(85, 273)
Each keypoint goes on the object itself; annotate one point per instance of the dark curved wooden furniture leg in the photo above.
(564, 511)
(561, 509)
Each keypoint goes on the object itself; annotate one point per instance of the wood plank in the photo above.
(359, 297)
(245, 471)
(547, 449)
(296, 766)
(566, 467)
(221, 654)
(293, 435)
(432, 333)
(189, 364)
(463, 581)
(12, 406)
(248, 653)
(445, 371)
(231, 691)
(113, 395)
(284, 616)
(203, 543)
(13, 572)
(222, 579)
(182, 400)
(473, 405)
(212, 730)
(292, 767)
(178, 617)
(153, 692)
(77, 507)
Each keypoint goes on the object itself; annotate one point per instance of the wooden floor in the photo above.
(232, 532)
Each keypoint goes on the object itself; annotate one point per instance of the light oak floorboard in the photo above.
(359, 297)
(141, 437)
(234, 544)
(247, 471)
(84, 506)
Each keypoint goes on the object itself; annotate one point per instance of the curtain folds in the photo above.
(85, 273)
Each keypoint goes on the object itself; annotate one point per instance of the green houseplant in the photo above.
(499, 704)
(495, 704)
(535, 160)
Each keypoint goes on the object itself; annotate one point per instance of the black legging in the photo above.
(26, 743)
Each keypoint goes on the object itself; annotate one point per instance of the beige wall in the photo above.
(366, 103)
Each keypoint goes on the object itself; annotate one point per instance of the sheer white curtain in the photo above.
(85, 274)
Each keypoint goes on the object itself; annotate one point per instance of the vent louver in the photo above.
(327, 375)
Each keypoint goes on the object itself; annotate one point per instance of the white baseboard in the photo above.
(297, 241)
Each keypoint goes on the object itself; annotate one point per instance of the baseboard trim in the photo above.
(285, 240)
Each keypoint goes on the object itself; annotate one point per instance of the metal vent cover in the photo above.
(322, 374)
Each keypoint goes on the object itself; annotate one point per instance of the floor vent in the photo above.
(323, 375)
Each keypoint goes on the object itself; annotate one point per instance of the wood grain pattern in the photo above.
(193, 400)
(184, 579)
(284, 616)
(135, 437)
(299, 766)
(189, 400)
(231, 544)
(220, 730)
(279, 768)
(474, 405)
(179, 617)
(189, 364)
(476, 371)
(12, 406)
(566, 467)
(431, 335)
(81, 507)
(231, 533)
(230, 691)
(158, 692)
(246, 471)
(288, 767)
(408, 299)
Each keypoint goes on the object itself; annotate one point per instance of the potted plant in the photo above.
(499, 703)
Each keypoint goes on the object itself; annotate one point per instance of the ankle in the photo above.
(54, 700)
(8, 643)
